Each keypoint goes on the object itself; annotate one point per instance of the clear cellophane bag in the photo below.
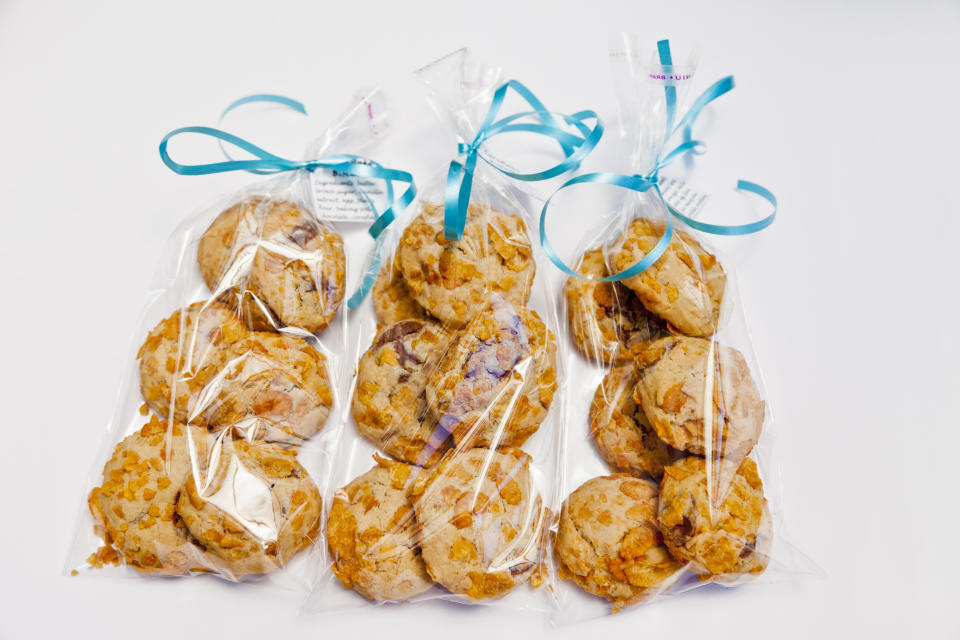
(218, 457)
(670, 482)
(447, 473)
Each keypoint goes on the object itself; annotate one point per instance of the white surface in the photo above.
(847, 113)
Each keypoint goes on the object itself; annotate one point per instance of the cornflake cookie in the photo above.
(684, 286)
(481, 521)
(453, 280)
(135, 506)
(392, 301)
(371, 533)
(282, 255)
(495, 383)
(278, 380)
(225, 255)
(390, 404)
(608, 542)
(676, 376)
(724, 538)
(226, 248)
(606, 318)
(254, 508)
(623, 435)
(183, 353)
(299, 269)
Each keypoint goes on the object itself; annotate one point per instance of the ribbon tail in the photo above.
(454, 210)
(369, 275)
(735, 229)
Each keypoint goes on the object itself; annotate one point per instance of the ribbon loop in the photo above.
(641, 184)
(574, 147)
(265, 163)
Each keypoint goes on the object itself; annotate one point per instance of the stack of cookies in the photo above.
(212, 482)
(460, 375)
(675, 417)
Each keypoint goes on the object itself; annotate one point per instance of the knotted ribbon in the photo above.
(267, 163)
(550, 124)
(651, 181)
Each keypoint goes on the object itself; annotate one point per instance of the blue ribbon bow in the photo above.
(267, 163)
(641, 184)
(575, 149)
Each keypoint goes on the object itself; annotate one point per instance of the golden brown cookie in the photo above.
(281, 254)
(279, 380)
(684, 286)
(675, 378)
(183, 353)
(608, 542)
(725, 537)
(495, 383)
(481, 521)
(225, 255)
(135, 506)
(251, 505)
(392, 301)
(390, 402)
(606, 318)
(372, 535)
(623, 435)
(453, 280)
(299, 270)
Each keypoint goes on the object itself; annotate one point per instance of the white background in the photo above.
(849, 113)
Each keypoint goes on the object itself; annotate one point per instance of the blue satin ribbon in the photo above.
(641, 184)
(575, 148)
(268, 163)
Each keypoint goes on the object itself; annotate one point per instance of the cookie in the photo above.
(225, 250)
(608, 541)
(251, 310)
(453, 280)
(251, 505)
(684, 286)
(299, 269)
(606, 318)
(372, 535)
(676, 375)
(495, 382)
(278, 253)
(225, 255)
(183, 353)
(390, 402)
(725, 537)
(623, 435)
(481, 521)
(280, 381)
(392, 301)
(135, 506)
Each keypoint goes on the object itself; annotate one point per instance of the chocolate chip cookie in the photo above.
(495, 382)
(390, 402)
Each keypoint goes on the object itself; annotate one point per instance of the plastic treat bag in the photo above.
(217, 456)
(669, 479)
(447, 473)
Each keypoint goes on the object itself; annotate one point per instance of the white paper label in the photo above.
(681, 197)
(341, 198)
